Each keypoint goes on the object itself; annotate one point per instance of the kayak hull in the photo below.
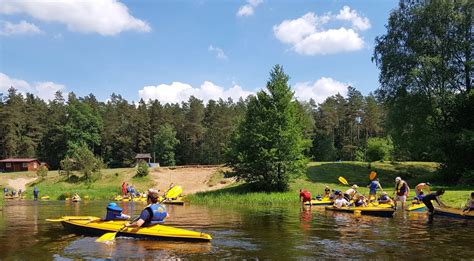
(97, 227)
(315, 202)
(453, 212)
(417, 207)
(370, 211)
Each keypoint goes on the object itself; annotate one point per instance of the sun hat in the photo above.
(113, 207)
(398, 179)
(354, 186)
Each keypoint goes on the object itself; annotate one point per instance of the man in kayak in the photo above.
(433, 196)
(350, 193)
(374, 185)
(420, 187)
(327, 192)
(401, 191)
(114, 212)
(340, 200)
(305, 196)
(470, 204)
(152, 214)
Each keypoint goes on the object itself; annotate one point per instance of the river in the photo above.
(277, 233)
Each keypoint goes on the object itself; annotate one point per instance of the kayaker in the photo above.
(359, 201)
(114, 212)
(373, 186)
(340, 200)
(433, 196)
(418, 198)
(470, 204)
(305, 196)
(327, 192)
(385, 199)
(401, 191)
(350, 193)
(35, 193)
(152, 214)
(420, 187)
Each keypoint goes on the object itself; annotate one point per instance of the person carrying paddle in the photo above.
(420, 187)
(433, 196)
(373, 186)
(305, 196)
(401, 191)
(152, 214)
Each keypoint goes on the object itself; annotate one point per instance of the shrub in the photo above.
(379, 149)
(42, 172)
(142, 169)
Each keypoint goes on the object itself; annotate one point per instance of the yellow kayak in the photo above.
(319, 202)
(417, 207)
(134, 199)
(45, 197)
(89, 225)
(371, 211)
(454, 212)
(178, 201)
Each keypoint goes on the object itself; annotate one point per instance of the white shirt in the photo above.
(339, 202)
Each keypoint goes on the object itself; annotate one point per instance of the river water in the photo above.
(277, 233)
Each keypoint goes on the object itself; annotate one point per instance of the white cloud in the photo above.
(319, 90)
(358, 22)
(249, 8)
(178, 92)
(105, 17)
(44, 90)
(218, 51)
(308, 36)
(22, 27)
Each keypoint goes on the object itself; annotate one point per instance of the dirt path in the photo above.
(192, 180)
(19, 183)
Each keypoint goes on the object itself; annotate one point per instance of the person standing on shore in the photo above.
(401, 191)
(35, 193)
(124, 189)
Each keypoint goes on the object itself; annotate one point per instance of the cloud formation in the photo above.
(220, 54)
(308, 36)
(21, 28)
(105, 17)
(249, 8)
(177, 92)
(44, 90)
(319, 90)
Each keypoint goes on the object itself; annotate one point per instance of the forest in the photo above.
(422, 111)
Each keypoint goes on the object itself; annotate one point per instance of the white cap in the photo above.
(398, 179)
(354, 186)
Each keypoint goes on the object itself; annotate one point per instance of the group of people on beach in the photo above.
(153, 213)
(352, 197)
(129, 191)
(12, 193)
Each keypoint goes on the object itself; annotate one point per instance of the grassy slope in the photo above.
(320, 174)
(109, 185)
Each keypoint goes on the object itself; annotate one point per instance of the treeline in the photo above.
(188, 133)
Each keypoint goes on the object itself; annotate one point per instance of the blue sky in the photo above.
(169, 50)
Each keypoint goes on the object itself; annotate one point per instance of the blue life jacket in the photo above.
(157, 214)
(383, 198)
(373, 185)
(420, 197)
(113, 214)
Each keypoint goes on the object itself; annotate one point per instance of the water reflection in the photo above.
(287, 232)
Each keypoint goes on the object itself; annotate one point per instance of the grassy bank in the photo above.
(321, 174)
(58, 187)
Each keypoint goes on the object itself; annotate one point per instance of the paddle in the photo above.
(343, 180)
(107, 237)
(372, 175)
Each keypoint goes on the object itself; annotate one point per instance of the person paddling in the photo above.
(433, 196)
(152, 214)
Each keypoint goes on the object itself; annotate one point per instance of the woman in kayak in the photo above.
(152, 214)
(433, 196)
(114, 212)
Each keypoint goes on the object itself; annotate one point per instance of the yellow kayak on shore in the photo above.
(417, 207)
(454, 212)
(45, 198)
(90, 225)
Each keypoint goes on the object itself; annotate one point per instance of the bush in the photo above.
(379, 149)
(42, 172)
(142, 169)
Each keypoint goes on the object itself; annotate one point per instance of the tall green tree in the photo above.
(165, 142)
(11, 125)
(142, 128)
(192, 132)
(268, 146)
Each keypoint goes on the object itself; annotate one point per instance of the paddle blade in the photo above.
(372, 175)
(174, 192)
(107, 237)
(343, 180)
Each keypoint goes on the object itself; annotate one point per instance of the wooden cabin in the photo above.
(20, 164)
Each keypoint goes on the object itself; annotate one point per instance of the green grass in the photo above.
(321, 174)
(57, 187)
